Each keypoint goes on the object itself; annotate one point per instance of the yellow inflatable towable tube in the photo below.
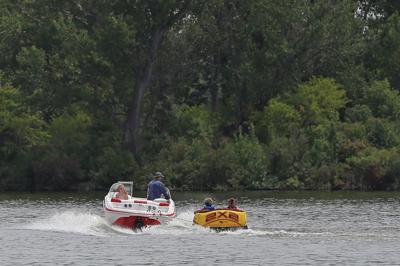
(221, 218)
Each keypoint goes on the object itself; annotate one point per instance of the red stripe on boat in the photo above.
(115, 200)
(164, 204)
(140, 201)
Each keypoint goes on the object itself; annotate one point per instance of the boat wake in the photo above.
(72, 222)
(92, 224)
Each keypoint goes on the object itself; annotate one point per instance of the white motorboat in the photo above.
(136, 212)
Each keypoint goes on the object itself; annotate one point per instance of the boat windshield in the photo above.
(128, 187)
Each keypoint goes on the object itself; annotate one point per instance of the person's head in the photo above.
(158, 175)
(231, 202)
(121, 188)
(208, 201)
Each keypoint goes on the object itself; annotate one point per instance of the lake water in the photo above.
(284, 229)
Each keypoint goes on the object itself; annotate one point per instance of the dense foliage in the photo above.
(219, 94)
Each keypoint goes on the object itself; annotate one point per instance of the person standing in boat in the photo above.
(156, 188)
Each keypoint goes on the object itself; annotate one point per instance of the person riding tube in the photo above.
(208, 204)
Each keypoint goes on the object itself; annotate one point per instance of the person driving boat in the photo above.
(156, 188)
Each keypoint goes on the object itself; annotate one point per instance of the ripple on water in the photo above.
(282, 231)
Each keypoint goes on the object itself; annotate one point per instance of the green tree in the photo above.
(21, 131)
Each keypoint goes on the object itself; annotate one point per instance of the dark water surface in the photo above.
(285, 229)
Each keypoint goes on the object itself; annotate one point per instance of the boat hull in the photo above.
(135, 213)
(133, 221)
(129, 214)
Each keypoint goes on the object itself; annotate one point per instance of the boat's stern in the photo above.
(137, 212)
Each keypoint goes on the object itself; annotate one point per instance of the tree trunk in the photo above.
(214, 91)
(133, 118)
(132, 123)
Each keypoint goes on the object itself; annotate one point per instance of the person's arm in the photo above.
(164, 191)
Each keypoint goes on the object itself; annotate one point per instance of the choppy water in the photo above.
(285, 229)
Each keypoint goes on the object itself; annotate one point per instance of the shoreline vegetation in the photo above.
(217, 95)
(220, 197)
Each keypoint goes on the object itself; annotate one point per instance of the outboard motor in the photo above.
(139, 224)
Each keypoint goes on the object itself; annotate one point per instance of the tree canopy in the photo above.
(218, 94)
